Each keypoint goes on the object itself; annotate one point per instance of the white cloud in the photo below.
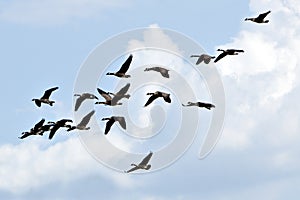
(31, 165)
(54, 11)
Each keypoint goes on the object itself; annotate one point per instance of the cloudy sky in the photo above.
(44, 44)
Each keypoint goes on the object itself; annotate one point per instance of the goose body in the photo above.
(260, 18)
(82, 97)
(83, 124)
(122, 71)
(157, 94)
(57, 125)
(142, 165)
(203, 57)
(45, 98)
(228, 52)
(201, 105)
(112, 120)
(164, 72)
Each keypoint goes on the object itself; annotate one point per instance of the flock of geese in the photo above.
(113, 99)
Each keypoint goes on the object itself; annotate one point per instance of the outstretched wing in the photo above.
(222, 55)
(37, 102)
(104, 94)
(53, 131)
(79, 102)
(86, 119)
(152, 98)
(121, 121)
(262, 16)
(146, 159)
(167, 97)
(123, 90)
(132, 169)
(38, 125)
(125, 65)
(48, 93)
(200, 59)
(109, 123)
(164, 72)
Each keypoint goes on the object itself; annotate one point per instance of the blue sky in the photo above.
(43, 44)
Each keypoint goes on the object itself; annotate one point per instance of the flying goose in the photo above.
(83, 97)
(227, 52)
(120, 94)
(36, 130)
(203, 57)
(122, 71)
(112, 120)
(260, 18)
(84, 122)
(57, 125)
(142, 165)
(45, 98)
(200, 104)
(164, 72)
(157, 94)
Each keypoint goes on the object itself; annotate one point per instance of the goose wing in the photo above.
(200, 59)
(85, 120)
(104, 94)
(53, 131)
(222, 55)
(79, 102)
(262, 16)
(132, 169)
(109, 123)
(152, 98)
(38, 102)
(125, 65)
(48, 93)
(38, 125)
(121, 121)
(164, 72)
(123, 90)
(146, 159)
(166, 97)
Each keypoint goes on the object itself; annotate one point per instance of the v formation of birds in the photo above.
(113, 99)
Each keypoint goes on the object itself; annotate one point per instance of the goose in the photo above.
(203, 57)
(45, 98)
(157, 94)
(36, 130)
(142, 165)
(120, 94)
(84, 122)
(227, 52)
(112, 120)
(122, 71)
(260, 18)
(83, 97)
(164, 72)
(57, 125)
(200, 104)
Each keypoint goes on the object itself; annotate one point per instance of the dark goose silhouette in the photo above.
(57, 125)
(83, 97)
(227, 52)
(260, 18)
(142, 165)
(84, 122)
(45, 98)
(203, 57)
(112, 120)
(157, 94)
(122, 71)
(164, 72)
(36, 130)
(200, 104)
(113, 101)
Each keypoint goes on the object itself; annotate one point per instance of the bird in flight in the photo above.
(57, 125)
(157, 94)
(260, 18)
(45, 98)
(203, 57)
(84, 122)
(227, 52)
(200, 104)
(112, 120)
(122, 71)
(38, 129)
(142, 165)
(164, 72)
(113, 101)
(82, 97)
